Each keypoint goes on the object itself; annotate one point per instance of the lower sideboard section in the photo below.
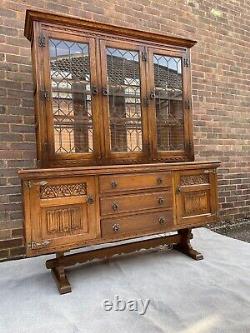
(77, 207)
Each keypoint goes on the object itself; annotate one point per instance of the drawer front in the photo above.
(135, 202)
(140, 224)
(128, 182)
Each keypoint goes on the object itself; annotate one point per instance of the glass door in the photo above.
(72, 113)
(124, 102)
(168, 105)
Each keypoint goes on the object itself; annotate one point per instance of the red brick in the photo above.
(220, 76)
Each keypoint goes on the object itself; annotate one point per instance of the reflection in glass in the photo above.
(71, 98)
(124, 100)
(168, 103)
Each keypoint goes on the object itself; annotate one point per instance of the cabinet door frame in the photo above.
(37, 206)
(52, 158)
(124, 157)
(187, 153)
(209, 187)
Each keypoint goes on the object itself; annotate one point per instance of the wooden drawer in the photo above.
(140, 224)
(135, 202)
(115, 183)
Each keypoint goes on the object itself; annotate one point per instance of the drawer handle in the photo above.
(90, 199)
(114, 184)
(114, 206)
(116, 227)
(159, 180)
(162, 220)
(161, 201)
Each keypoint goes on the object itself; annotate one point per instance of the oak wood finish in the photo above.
(98, 37)
(111, 191)
(135, 202)
(59, 264)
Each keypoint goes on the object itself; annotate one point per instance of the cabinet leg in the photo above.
(60, 277)
(184, 245)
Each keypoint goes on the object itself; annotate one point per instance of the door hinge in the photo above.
(144, 55)
(37, 245)
(185, 62)
(28, 183)
(44, 95)
(187, 104)
(41, 40)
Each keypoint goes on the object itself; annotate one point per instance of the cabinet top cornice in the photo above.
(66, 20)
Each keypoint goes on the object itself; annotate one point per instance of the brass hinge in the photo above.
(144, 55)
(37, 245)
(41, 40)
(185, 62)
(28, 183)
(44, 95)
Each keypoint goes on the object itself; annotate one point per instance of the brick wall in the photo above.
(220, 74)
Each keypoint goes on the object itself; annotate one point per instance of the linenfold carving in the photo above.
(64, 220)
(195, 203)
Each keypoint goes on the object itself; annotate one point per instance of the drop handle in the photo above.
(116, 227)
(94, 90)
(178, 190)
(152, 95)
(114, 184)
(90, 199)
(159, 180)
(114, 206)
(105, 91)
(162, 220)
(160, 201)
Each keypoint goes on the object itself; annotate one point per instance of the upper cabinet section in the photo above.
(107, 94)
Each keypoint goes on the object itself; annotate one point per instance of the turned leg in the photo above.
(60, 277)
(184, 245)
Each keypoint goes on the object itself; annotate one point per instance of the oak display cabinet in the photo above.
(115, 152)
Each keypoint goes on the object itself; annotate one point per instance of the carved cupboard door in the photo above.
(62, 213)
(196, 196)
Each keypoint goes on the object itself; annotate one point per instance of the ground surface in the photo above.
(239, 231)
(186, 296)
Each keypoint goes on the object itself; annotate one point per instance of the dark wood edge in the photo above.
(111, 169)
(108, 252)
(67, 20)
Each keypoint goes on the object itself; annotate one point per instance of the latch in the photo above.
(44, 95)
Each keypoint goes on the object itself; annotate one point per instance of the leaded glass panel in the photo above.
(71, 97)
(169, 102)
(124, 100)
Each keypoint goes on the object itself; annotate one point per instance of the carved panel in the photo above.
(65, 220)
(196, 203)
(62, 190)
(194, 179)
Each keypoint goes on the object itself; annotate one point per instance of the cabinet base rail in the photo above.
(180, 242)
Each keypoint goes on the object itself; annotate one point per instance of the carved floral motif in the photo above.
(194, 180)
(63, 190)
